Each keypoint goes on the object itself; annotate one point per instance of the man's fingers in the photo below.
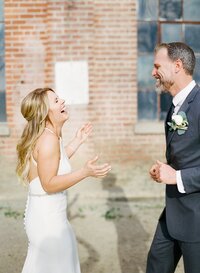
(156, 178)
(159, 163)
(158, 181)
(154, 171)
(155, 175)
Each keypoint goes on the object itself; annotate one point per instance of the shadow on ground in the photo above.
(130, 241)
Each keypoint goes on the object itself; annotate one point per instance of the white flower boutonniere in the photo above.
(179, 122)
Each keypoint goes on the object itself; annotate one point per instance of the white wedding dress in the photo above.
(52, 244)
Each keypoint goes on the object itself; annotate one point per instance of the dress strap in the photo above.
(51, 132)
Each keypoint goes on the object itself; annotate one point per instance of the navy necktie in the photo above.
(170, 113)
(169, 118)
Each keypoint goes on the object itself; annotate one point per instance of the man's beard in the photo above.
(163, 86)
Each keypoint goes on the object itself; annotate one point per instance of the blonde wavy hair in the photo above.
(34, 108)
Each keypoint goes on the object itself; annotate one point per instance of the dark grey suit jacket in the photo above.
(183, 153)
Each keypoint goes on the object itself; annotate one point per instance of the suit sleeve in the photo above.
(191, 179)
(191, 176)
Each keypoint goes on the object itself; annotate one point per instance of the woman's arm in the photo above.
(48, 164)
(80, 137)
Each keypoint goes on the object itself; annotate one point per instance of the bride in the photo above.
(44, 165)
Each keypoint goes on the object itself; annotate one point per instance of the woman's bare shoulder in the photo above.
(47, 143)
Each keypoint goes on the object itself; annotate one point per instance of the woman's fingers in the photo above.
(100, 167)
(103, 171)
(98, 170)
(86, 128)
(93, 160)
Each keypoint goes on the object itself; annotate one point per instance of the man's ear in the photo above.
(178, 65)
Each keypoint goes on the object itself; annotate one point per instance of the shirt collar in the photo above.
(181, 96)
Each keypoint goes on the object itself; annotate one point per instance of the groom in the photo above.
(178, 229)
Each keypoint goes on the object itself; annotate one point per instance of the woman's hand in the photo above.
(81, 135)
(83, 132)
(98, 171)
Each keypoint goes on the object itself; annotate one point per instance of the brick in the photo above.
(38, 33)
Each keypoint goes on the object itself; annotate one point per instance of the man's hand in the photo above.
(167, 174)
(163, 173)
(155, 173)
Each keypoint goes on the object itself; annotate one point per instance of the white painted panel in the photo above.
(71, 80)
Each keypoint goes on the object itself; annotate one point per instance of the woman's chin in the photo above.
(65, 116)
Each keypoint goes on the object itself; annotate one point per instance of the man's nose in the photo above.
(153, 73)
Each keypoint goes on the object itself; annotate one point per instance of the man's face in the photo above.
(163, 71)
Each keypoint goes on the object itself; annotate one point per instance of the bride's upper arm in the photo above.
(48, 159)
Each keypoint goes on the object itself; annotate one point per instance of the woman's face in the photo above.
(57, 109)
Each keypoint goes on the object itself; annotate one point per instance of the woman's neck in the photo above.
(53, 129)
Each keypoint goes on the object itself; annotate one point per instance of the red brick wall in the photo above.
(103, 32)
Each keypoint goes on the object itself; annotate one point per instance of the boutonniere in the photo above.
(179, 122)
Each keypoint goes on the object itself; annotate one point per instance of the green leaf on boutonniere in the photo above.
(180, 132)
(183, 114)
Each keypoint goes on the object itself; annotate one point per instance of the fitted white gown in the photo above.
(52, 244)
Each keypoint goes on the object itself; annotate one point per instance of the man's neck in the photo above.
(180, 85)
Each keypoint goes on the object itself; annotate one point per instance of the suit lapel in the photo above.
(185, 108)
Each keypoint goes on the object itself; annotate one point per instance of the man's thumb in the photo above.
(159, 162)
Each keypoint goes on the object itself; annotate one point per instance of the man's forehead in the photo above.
(161, 55)
(162, 51)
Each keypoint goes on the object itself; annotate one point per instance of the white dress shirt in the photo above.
(178, 101)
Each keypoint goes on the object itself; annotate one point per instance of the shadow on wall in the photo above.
(131, 236)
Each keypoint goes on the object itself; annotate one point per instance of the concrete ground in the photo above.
(114, 219)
